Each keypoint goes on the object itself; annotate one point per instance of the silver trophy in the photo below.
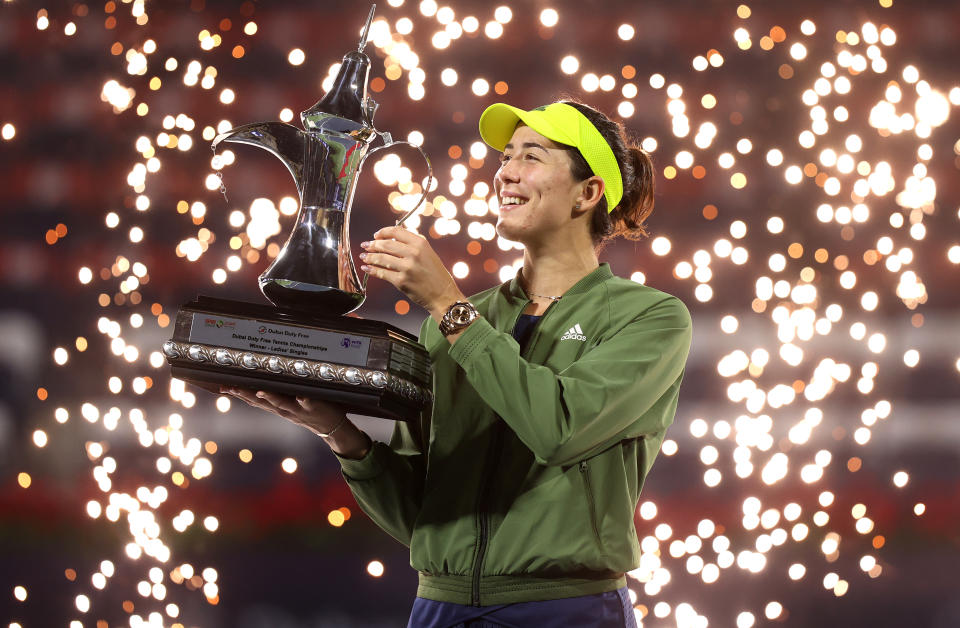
(304, 345)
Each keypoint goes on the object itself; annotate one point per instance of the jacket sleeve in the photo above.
(388, 482)
(626, 386)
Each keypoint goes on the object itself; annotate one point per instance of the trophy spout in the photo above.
(346, 102)
(284, 141)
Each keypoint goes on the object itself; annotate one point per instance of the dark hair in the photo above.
(636, 170)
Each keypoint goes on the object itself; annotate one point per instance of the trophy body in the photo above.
(304, 345)
(314, 270)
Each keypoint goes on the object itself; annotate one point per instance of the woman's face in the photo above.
(535, 187)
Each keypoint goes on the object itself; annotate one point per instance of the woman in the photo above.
(552, 392)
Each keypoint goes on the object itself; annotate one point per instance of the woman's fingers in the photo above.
(389, 247)
(391, 276)
(285, 403)
(400, 234)
(315, 406)
(388, 254)
(257, 400)
(383, 260)
(244, 394)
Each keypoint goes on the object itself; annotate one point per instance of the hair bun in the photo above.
(636, 169)
(637, 201)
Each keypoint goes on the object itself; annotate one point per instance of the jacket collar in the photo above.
(597, 276)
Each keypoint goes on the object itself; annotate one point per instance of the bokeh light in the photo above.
(804, 214)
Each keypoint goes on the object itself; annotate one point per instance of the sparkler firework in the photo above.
(800, 216)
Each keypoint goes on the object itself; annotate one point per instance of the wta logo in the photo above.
(574, 333)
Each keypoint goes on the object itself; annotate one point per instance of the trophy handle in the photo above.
(389, 142)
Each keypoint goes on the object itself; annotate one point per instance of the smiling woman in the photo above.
(596, 146)
(516, 490)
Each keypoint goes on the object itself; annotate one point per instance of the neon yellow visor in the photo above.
(563, 124)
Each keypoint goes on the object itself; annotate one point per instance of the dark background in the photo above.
(279, 561)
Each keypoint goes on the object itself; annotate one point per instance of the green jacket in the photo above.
(522, 482)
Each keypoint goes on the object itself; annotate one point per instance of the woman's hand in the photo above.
(317, 416)
(407, 260)
(312, 414)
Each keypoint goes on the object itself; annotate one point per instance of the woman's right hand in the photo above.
(317, 416)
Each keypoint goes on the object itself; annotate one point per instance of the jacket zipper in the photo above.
(585, 473)
(492, 462)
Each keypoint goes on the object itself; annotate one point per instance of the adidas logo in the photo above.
(574, 333)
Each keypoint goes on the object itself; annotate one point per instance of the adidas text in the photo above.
(574, 333)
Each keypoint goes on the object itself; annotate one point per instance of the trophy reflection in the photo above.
(304, 345)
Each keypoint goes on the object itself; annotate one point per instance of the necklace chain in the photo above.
(534, 294)
(545, 296)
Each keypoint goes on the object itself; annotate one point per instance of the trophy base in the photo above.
(368, 367)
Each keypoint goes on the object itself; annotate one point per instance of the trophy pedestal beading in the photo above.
(368, 366)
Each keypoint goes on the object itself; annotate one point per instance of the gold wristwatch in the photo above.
(458, 317)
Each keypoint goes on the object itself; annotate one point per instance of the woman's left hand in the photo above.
(407, 260)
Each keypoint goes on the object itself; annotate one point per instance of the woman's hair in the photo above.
(636, 170)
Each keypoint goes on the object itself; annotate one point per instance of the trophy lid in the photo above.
(347, 98)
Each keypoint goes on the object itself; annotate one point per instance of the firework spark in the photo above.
(857, 178)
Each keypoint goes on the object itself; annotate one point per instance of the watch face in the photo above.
(461, 314)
